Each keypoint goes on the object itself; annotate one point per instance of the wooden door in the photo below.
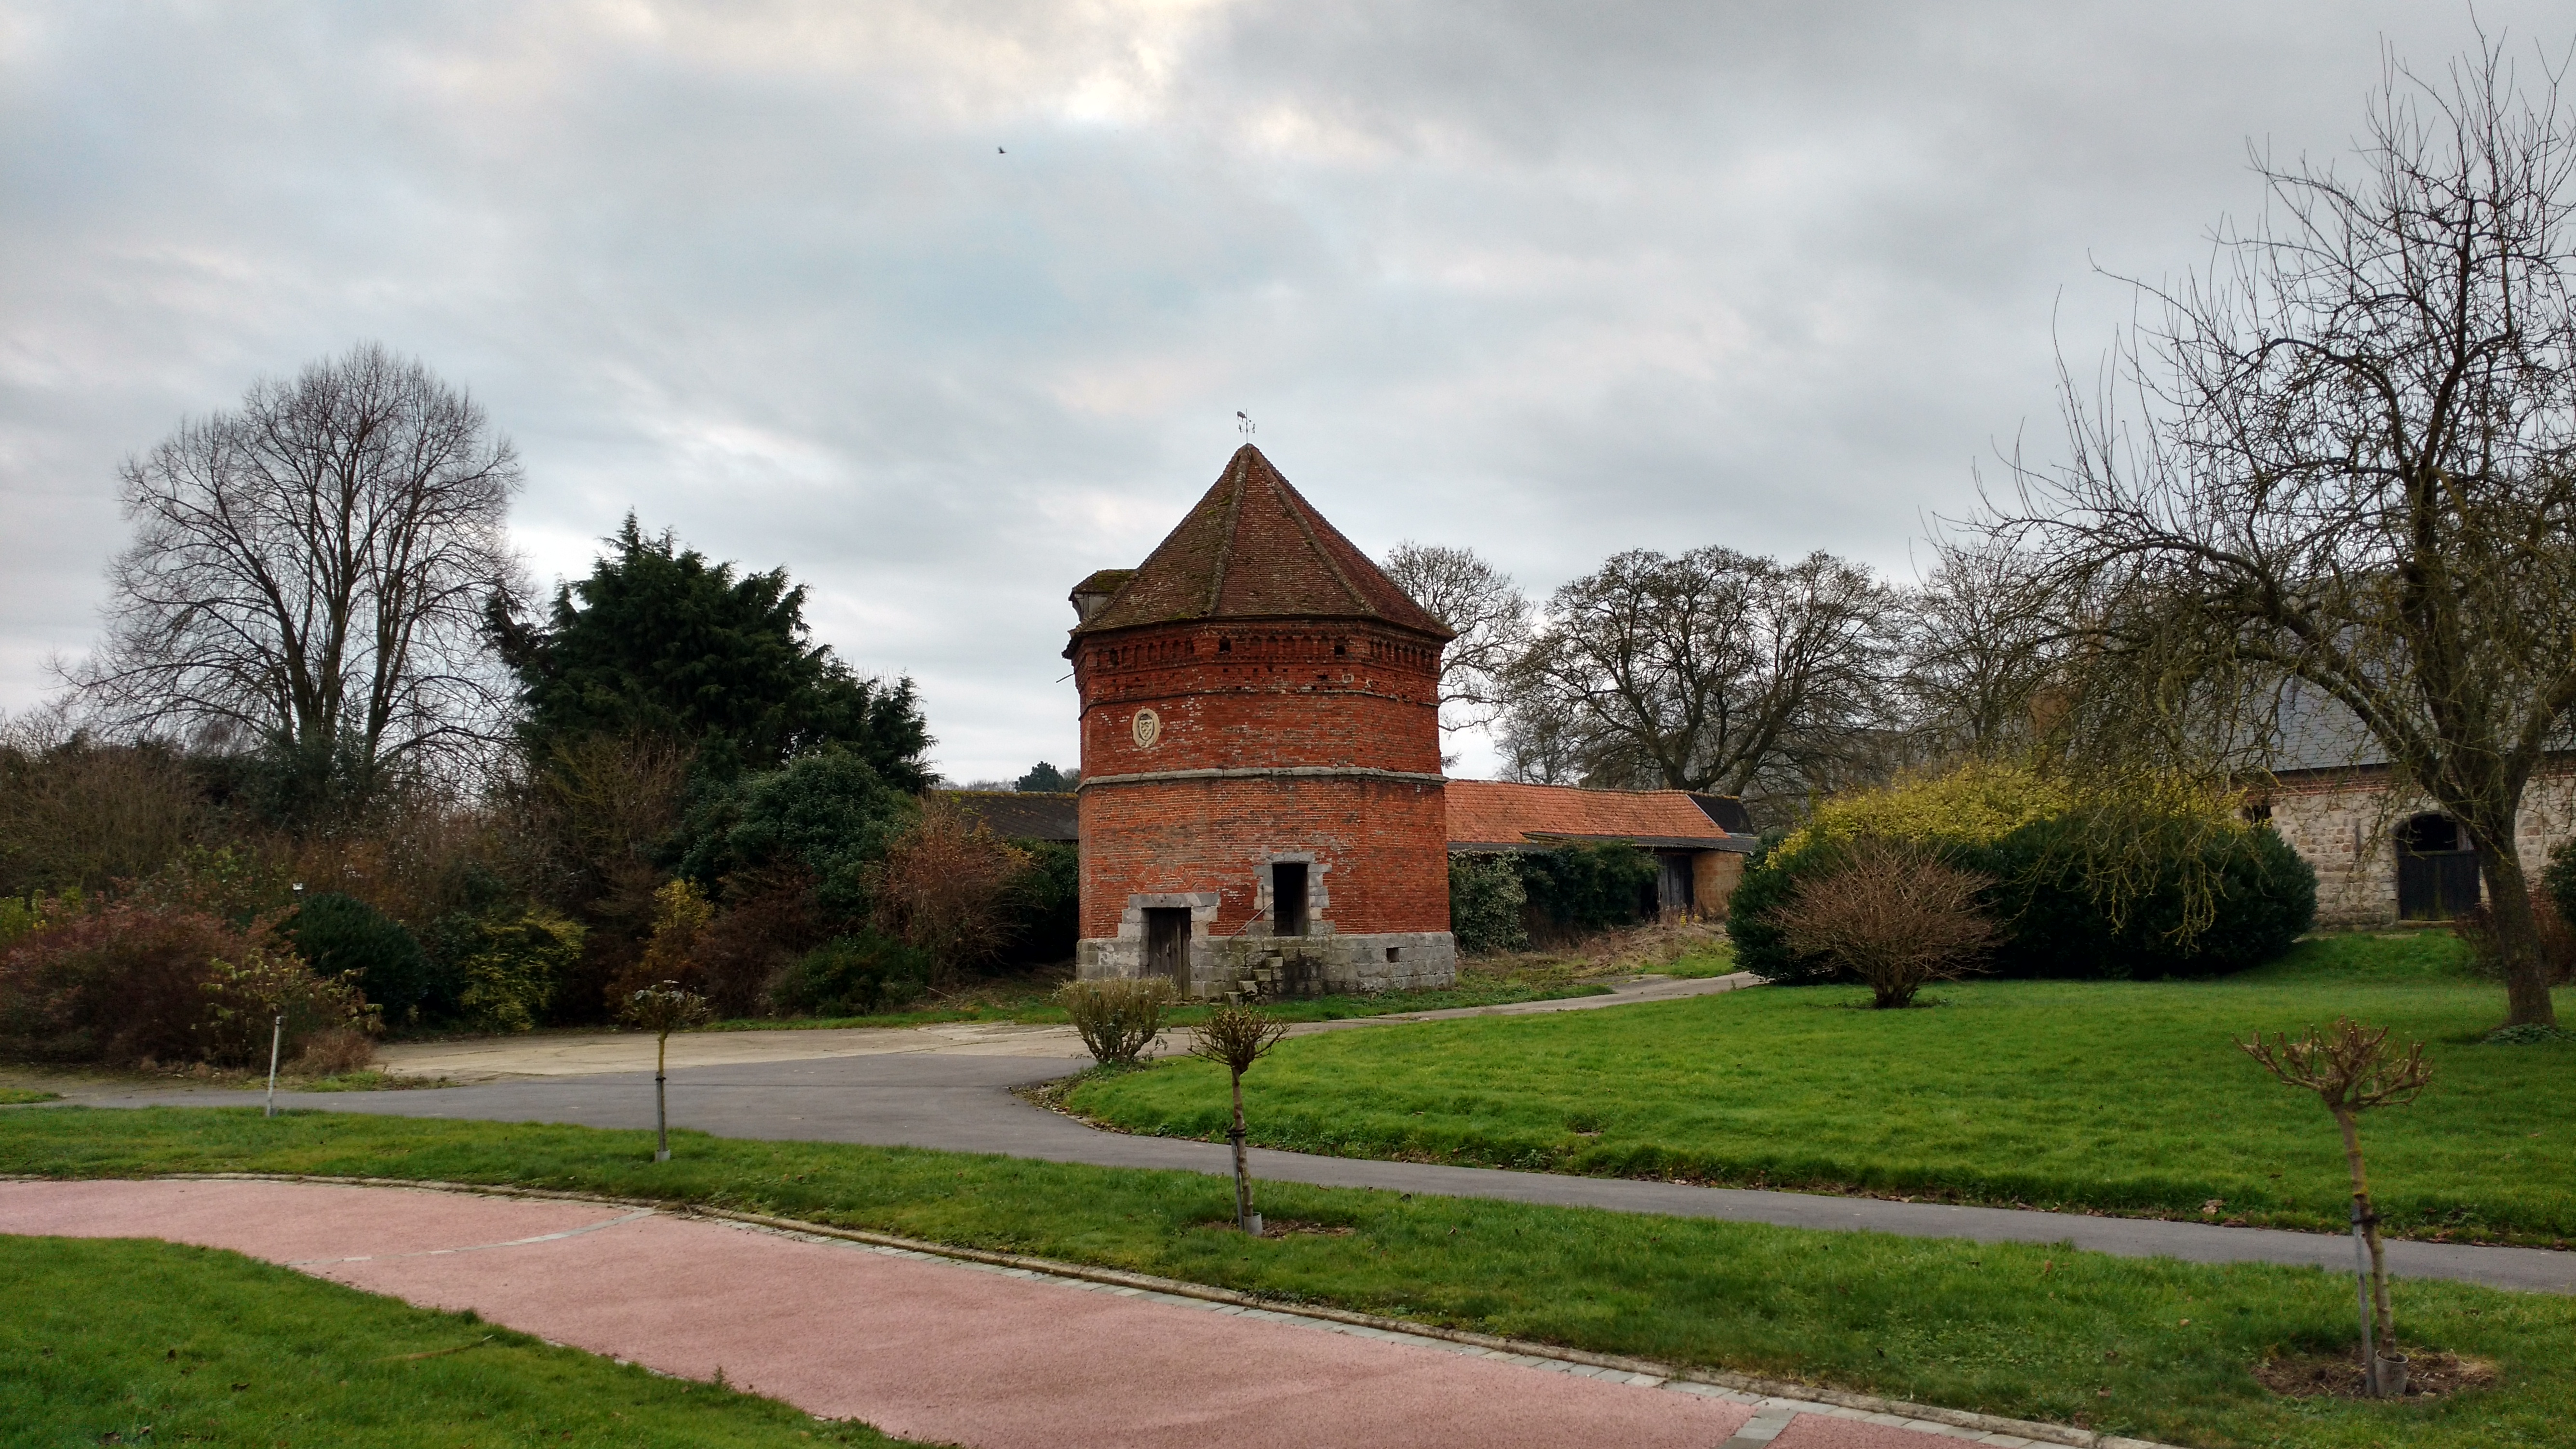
(1167, 944)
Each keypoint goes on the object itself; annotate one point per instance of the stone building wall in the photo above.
(2344, 823)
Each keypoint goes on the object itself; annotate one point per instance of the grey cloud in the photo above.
(1545, 280)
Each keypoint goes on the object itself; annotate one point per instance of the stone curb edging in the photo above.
(1780, 1389)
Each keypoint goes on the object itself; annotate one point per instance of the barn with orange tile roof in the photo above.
(1700, 840)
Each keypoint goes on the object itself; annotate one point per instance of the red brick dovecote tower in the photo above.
(1261, 788)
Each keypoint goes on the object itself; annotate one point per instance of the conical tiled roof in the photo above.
(1254, 549)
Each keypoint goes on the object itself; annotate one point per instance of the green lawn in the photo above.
(1038, 1008)
(2155, 1348)
(20, 1096)
(111, 1341)
(2120, 1096)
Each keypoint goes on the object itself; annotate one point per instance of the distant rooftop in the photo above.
(1497, 815)
(1021, 814)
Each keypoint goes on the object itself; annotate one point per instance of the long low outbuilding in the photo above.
(1701, 841)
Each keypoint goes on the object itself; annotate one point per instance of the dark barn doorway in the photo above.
(2437, 872)
(1167, 944)
(1288, 898)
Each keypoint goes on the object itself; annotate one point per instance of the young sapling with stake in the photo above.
(2352, 1069)
(1234, 1037)
(663, 1009)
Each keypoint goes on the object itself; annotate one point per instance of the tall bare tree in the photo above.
(1710, 670)
(1489, 612)
(1982, 647)
(2345, 462)
(309, 573)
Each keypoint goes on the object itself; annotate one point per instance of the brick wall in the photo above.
(1317, 697)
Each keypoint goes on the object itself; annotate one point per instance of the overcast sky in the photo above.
(943, 306)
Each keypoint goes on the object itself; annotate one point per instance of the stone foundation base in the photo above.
(1278, 966)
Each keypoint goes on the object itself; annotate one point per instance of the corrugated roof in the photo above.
(1253, 548)
(1022, 814)
(1493, 812)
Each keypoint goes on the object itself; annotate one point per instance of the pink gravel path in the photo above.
(921, 1349)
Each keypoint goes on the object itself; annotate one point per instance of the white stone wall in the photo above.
(2347, 831)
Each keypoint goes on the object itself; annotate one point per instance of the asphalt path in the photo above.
(964, 1103)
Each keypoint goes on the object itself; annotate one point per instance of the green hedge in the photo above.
(2059, 922)
(1487, 903)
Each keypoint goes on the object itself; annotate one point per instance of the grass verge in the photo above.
(2153, 1348)
(1479, 984)
(20, 1096)
(2121, 1097)
(117, 1341)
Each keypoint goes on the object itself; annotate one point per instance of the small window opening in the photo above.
(1225, 646)
(1340, 649)
(1392, 951)
(1288, 898)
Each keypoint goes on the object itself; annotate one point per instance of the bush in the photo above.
(1118, 1018)
(137, 982)
(342, 936)
(2476, 927)
(1891, 917)
(827, 812)
(944, 888)
(234, 885)
(1044, 902)
(852, 976)
(333, 1051)
(2150, 882)
(261, 987)
(1487, 903)
(2558, 879)
(1580, 889)
(507, 964)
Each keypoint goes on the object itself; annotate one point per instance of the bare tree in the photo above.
(309, 573)
(1713, 670)
(1489, 613)
(1981, 650)
(2352, 1070)
(2351, 469)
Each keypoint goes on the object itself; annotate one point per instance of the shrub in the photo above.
(332, 1051)
(767, 923)
(1891, 917)
(1118, 1018)
(852, 976)
(944, 888)
(342, 936)
(2146, 881)
(261, 986)
(508, 964)
(1044, 902)
(1487, 903)
(234, 885)
(137, 982)
(2558, 879)
(2476, 927)
(1580, 889)
(76, 814)
(827, 812)
(122, 984)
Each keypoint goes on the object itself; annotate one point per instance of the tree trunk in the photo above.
(2380, 1316)
(2517, 933)
(1242, 1164)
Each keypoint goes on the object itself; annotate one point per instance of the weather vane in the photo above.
(1242, 423)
